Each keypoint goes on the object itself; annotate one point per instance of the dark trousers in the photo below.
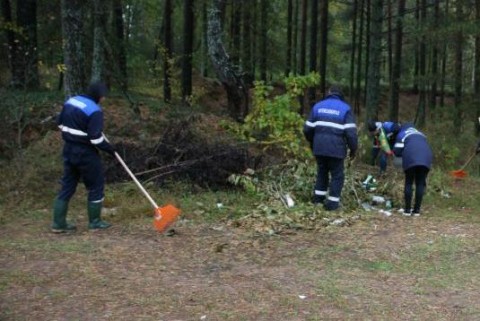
(82, 162)
(417, 175)
(330, 178)
(376, 151)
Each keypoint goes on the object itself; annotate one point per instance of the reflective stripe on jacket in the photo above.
(330, 128)
(81, 122)
(413, 147)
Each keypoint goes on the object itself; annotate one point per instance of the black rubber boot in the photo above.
(94, 220)
(60, 224)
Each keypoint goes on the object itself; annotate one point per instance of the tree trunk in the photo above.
(434, 71)
(25, 58)
(247, 62)
(204, 46)
(476, 77)
(99, 39)
(231, 80)
(389, 39)
(263, 39)
(303, 38)
(458, 116)
(120, 44)
(313, 47)
(416, 45)
(422, 81)
(295, 38)
(188, 23)
(367, 47)
(167, 39)
(74, 48)
(397, 63)
(352, 52)
(288, 62)
(323, 46)
(375, 61)
(359, 58)
(444, 60)
(7, 18)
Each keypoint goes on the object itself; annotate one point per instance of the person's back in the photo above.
(331, 127)
(413, 147)
(417, 158)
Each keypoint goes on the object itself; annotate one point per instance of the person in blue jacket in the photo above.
(330, 129)
(81, 125)
(391, 130)
(417, 157)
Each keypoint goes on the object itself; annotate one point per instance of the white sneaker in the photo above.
(407, 213)
(417, 214)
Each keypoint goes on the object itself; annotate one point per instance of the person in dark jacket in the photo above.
(81, 124)
(330, 129)
(390, 130)
(417, 157)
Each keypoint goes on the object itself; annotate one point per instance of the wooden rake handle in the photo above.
(469, 160)
(144, 191)
(136, 181)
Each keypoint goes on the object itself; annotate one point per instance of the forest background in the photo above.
(207, 104)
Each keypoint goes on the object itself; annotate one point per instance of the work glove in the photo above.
(390, 153)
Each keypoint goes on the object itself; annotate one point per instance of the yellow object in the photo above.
(383, 141)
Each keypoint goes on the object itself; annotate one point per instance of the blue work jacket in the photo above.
(330, 128)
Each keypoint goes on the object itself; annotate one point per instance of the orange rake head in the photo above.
(459, 173)
(164, 217)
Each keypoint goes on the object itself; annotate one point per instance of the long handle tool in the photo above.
(164, 216)
(461, 173)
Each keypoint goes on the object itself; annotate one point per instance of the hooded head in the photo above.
(96, 91)
(335, 90)
(373, 126)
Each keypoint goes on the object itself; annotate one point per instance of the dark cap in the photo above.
(97, 90)
(373, 125)
(335, 90)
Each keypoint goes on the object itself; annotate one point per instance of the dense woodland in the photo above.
(374, 48)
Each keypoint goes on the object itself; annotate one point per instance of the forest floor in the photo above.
(380, 268)
(211, 267)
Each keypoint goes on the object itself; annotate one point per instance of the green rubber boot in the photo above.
(60, 224)
(94, 220)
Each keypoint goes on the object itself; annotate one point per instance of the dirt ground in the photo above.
(380, 268)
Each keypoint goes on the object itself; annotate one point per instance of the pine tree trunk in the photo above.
(167, 39)
(375, 61)
(476, 77)
(422, 69)
(288, 61)
(313, 47)
(233, 83)
(25, 58)
(323, 46)
(458, 115)
(263, 39)
(359, 57)
(99, 39)
(397, 63)
(352, 54)
(120, 44)
(188, 31)
(74, 48)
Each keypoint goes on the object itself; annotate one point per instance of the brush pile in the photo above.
(185, 151)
